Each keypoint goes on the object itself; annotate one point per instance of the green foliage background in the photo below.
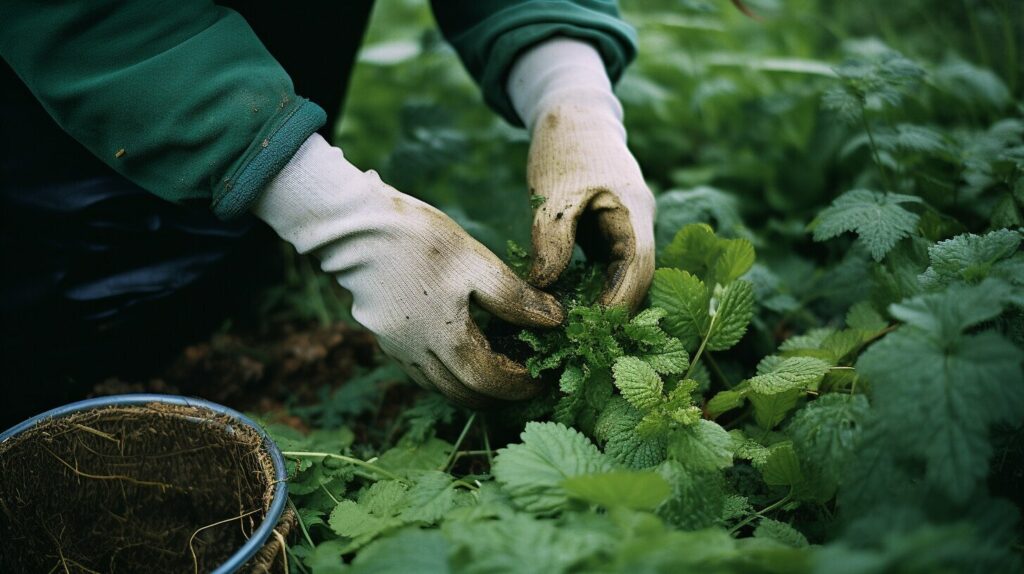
(851, 401)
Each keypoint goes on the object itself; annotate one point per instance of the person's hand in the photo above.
(412, 272)
(593, 190)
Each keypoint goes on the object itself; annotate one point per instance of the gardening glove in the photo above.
(579, 164)
(412, 272)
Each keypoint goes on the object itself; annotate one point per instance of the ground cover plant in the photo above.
(827, 374)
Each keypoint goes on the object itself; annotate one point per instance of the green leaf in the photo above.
(638, 383)
(863, 317)
(616, 429)
(939, 406)
(698, 498)
(703, 446)
(693, 249)
(736, 258)
(325, 558)
(408, 550)
(770, 410)
(782, 467)
(696, 249)
(670, 358)
(971, 258)
(876, 217)
(407, 458)
(383, 498)
(825, 433)
(792, 373)
(946, 314)
(725, 401)
(571, 381)
(355, 522)
(533, 472)
(429, 498)
(780, 532)
(520, 543)
(686, 300)
(732, 315)
(628, 489)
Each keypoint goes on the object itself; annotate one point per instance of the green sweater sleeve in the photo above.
(178, 96)
(490, 34)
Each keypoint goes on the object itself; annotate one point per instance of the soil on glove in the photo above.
(146, 488)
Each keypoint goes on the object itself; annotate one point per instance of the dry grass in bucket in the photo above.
(139, 488)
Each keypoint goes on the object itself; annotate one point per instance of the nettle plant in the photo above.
(852, 402)
(631, 383)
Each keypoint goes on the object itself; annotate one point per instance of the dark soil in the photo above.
(260, 371)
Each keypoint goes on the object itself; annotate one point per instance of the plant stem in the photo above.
(1010, 37)
(487, 443)
(458, 442)
(466, 485)
(874, 150)
(343, 458)
(302, 525)
(328, 493)
(979, 41)
(760, 513)
(298, 563)
(718, 372)
(700, 350)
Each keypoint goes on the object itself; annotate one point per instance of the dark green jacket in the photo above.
(182, 98)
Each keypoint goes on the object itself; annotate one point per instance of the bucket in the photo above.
(142, 483)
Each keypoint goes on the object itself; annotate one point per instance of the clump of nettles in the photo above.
(630, 383)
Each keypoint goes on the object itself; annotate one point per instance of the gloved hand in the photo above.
(412, 272)
(592, 186)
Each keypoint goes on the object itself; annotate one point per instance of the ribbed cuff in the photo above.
(560, 70)
(268, 154)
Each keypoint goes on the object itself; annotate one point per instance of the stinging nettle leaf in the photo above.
(737, 257)
(735, 308)
(792, 373)
(780, 532)
(670, 359)
(824, 434)
(686, 300)
(703, 446)
(638, 382)
(616, 429)
(627, 489)
(877, 218)
(532, 472)
(971, 258)
(782, 467)
(429, 498)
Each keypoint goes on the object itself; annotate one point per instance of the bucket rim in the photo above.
(280, 494)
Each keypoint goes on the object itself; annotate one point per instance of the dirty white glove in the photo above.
(579, 163)
(412, 272)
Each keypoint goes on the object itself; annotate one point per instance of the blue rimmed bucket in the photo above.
(119, 479)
